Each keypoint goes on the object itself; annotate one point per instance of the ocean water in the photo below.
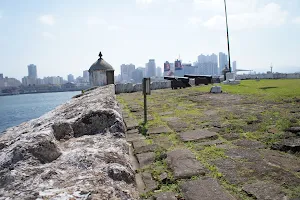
(21, 108)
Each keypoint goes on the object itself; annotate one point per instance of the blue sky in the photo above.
(65, 36)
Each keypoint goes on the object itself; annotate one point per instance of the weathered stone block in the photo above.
(146, 158)
(264, 191)
(204, 189)
(197, 135)
(183, 163)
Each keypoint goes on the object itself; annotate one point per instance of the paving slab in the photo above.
(163, 142)
(231, 136)
(196, 135)
(278, 159)
(158, 130)
(204, 189)
(146, 148)
(139, 183)
(170, 119)
(140, 115)
(290, 144)
(150, 184)
(134, 137)
(131, 124)
(264, 191)
(145, 158)
(230, 170)
(241, 153)
(183, 163)
(165, 196)
(139, 143)
(210, 143)
(132, 131)
(177, 125)
(240, 172)
(166, 113)
(294, 129)
(135, 108)
(249, 144)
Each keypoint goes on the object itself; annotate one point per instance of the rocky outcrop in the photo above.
(77, 151)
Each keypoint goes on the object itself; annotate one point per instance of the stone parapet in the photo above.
(130, 87)
(76, 151)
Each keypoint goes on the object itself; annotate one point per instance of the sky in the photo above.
(65, 37)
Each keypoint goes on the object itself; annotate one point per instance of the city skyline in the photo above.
(261, 32)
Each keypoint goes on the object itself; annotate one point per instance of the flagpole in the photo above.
(227, 37)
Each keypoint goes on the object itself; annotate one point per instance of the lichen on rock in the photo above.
(76, 151)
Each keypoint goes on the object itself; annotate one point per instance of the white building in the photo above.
(126, 72)
(86, 75)
(234, 66)
(207, 65)
(158, 72)
(70, 78)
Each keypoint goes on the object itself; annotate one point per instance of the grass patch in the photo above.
(278, 90)
(292, 192)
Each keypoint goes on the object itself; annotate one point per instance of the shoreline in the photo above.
(8, 94)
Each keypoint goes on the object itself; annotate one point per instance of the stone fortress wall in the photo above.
(156, 85)
(76, 151)
(269, 76)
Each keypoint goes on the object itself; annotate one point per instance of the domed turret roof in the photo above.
(101, 64)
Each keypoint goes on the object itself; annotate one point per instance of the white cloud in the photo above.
(233, 6)
(48, 35)
(47, 19)
(143, 1)
(296, 20)
(195, 20)
(113, 28)
(266, 16)
(96, 21)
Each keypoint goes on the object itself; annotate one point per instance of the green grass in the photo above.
(262, 113)
(265, 89)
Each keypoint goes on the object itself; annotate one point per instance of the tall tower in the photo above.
(271, 68)
(32, 72)
(151, 68)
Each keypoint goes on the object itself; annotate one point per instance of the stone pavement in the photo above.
(178, 160)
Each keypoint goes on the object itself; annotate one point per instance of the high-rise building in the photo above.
(188, 69)
(178, 68)
(207, 65)
(158, 72)
(234, 66)
(70, 78)
(151, 68)
(53, 80)
(222, 62)
(126, 72)
(1, 81)
(137, 75)
(32, 72)
(143, 69)
(86, 76)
